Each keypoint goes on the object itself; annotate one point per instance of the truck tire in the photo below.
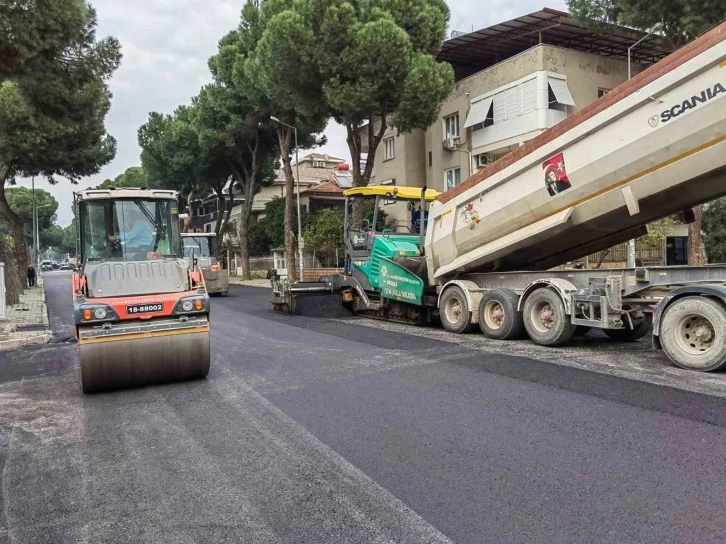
(454, 310)
(693, 334)
(639, 330)
(545, 319)
(498, 315)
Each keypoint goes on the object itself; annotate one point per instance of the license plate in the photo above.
(152, 308)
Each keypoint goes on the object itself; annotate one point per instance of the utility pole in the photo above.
(631, 244)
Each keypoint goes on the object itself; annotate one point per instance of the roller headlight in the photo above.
(95, 313)
(191, 305)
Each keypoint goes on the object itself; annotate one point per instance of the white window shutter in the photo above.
(512, 103)
(561, 92)
(529, 95)
(478, 112)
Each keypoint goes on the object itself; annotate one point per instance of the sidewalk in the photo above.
(26, 322)
(234, 280)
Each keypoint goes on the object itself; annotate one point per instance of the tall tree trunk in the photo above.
(696, 249)
(244, 237)
(284, 135)
(221, 214)
(190, 211)
(15, 252)
(14, 278)
(601, 259)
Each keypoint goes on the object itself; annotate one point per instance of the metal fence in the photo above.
(646, 252)
(312, 260)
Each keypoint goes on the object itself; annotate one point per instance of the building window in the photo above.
(389, 148)
(431, 159)
(452, 177)
(602, 92)
(451, 126)
(318, 164)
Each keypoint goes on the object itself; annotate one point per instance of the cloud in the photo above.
(166, 45)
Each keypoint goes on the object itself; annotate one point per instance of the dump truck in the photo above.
(202, 245)
(649, 149)
(141, 308)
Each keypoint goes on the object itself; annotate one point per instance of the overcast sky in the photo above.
(166, 44)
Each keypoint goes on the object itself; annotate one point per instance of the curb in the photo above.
(21, 342)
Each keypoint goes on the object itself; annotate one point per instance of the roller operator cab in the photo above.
(203, 246)
(141, 308)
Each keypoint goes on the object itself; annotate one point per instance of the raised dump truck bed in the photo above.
(653, 147)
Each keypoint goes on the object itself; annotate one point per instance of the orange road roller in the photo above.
(141, 307)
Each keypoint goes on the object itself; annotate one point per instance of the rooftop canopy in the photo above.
(473, 52)
(393, 193)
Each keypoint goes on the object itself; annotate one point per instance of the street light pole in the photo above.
(300, 241)
(35, 235)
(37, 238)
(631, 244)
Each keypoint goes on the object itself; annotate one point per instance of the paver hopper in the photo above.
(141, 310)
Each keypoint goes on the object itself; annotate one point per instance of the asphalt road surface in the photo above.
(310, 430)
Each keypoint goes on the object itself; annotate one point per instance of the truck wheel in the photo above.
(498, 315)
(693, 334)
(454, 310)
(640, 329)
(545, 319)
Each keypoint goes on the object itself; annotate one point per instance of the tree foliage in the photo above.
(132, 177)
(268, 233)
(32, 29)
(324, 234)
(20, 200)
(367, 64)
(714, 228)
(683, 20)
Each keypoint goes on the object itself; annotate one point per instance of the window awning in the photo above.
(561, 92)
(478, 112)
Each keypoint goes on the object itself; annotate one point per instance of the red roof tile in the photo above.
(328, 188)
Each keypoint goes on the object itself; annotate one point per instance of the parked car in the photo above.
(55, 265)
(46, 265)
(65, 266)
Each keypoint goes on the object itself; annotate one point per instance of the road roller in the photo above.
(141, 307)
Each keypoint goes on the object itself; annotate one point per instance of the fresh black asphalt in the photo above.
(310, 430)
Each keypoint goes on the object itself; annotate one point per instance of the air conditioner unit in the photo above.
(485, 159)
(450, 144)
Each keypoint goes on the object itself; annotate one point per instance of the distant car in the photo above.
(65, 266)
(55, 265)
(46, 265)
